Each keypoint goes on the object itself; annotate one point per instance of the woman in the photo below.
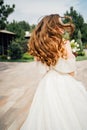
(60, 102)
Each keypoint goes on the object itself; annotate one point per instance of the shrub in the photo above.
(26, 56)
(0, 49)
(80, 53)
(15, 51)
(23, 43)
(4, 57)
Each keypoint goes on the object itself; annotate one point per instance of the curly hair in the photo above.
(46, 42)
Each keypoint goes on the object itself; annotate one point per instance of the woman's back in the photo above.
(60, 102)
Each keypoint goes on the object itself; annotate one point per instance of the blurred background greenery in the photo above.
(15, 49)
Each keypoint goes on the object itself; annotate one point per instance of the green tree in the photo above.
(5, 11)
(24, 25)
(84, 33)
(19, 29)
(32, 27)
(77, 20)
(16, 28)
(79, 41)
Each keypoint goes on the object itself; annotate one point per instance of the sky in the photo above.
(32, 10)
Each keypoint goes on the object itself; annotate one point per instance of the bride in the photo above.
(60, 101)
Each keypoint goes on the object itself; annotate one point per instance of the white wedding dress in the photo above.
(60, 101)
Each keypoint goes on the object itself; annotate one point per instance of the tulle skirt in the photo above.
(60, 103)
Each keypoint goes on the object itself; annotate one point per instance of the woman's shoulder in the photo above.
(66, 65)
(63, 65)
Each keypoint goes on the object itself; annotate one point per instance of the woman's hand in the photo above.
(72, 73)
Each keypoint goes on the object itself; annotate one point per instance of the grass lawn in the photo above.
(27, 58)
(80, 58)
(17, 60)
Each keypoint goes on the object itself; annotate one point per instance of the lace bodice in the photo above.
(66, 66)
(62, 66)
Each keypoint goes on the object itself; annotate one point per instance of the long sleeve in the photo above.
(66, 66)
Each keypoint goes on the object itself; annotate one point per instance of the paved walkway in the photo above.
(18, 83)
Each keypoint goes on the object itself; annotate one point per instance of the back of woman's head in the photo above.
(46, 42)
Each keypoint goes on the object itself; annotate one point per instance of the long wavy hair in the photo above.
(46, 42)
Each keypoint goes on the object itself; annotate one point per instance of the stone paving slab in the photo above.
(81, 72)
(18, 83)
